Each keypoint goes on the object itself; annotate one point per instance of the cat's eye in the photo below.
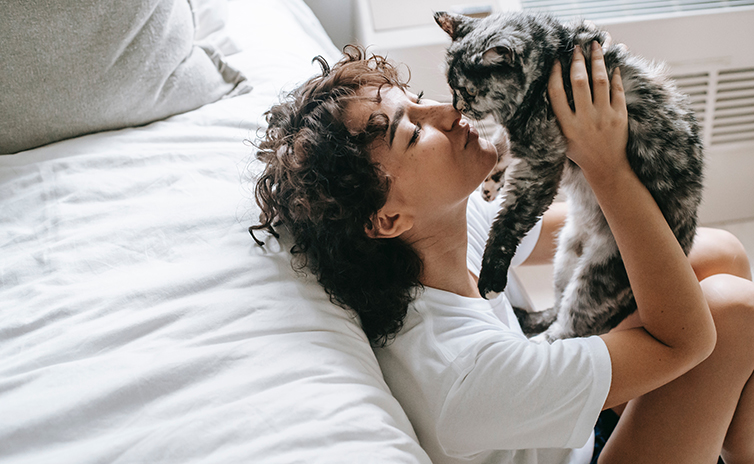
(498, 55)
(419, 97)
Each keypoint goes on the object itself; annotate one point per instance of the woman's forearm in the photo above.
(678, 329)
(669, 299)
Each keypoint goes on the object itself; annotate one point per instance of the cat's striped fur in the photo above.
(500, 65)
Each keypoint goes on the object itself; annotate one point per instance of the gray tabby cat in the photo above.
(500, 65)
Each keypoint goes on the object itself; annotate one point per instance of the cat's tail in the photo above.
(533, 323)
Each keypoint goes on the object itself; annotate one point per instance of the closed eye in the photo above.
(415, 135)
(417, 129)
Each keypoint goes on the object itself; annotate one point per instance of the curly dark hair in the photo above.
(320, 183)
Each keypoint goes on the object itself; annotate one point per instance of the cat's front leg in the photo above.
(530, 188)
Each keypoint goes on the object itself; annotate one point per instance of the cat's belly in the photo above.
(585, 219)
(582, 203)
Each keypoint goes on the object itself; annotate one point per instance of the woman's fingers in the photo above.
(600, 82)
(593, 101)
(597, 130)
(582, 95)
(557, 94)
(617, 95)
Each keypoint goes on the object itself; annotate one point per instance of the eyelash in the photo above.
(415, 136)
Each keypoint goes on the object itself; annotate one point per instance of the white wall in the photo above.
(337, 18)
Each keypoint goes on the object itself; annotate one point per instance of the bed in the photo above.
(139, 321)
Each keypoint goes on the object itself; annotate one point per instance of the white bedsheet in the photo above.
(139, 322)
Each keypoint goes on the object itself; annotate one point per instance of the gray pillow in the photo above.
(69, 68)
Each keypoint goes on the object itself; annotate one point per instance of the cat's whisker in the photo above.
(482, 128)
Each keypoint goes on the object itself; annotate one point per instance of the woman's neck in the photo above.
(442, 247)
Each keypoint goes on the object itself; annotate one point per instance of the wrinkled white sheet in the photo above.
(139, 322)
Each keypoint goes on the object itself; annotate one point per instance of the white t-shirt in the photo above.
(478, 391)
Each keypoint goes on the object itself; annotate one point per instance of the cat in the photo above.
(500, 65)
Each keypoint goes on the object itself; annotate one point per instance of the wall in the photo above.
(337, 18)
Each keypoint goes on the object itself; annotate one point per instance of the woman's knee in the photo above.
(731, 301)
(718, 251)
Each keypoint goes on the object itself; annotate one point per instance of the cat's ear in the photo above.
(498, 55)
(453, 24)
(385, 225)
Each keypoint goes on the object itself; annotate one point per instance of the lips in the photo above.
(471, 134)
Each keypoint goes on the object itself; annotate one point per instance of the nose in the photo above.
(443, 115)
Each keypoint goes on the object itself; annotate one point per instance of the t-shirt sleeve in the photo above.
(516, 394)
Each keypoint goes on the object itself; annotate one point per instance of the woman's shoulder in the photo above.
(451, 327)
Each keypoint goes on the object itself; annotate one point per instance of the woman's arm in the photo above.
(678, 330)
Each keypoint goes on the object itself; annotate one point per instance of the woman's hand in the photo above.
(597, 131)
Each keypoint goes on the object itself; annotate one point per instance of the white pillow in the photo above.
(71, 68)
(210, 18)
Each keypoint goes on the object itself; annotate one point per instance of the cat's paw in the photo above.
(540, 338)
(492, 279)
(491, 187)
(555, 332)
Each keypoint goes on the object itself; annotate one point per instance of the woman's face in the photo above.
(432, 155)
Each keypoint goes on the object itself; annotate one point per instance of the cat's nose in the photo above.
(458, 103)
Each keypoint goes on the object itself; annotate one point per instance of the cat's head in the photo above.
(493, 61)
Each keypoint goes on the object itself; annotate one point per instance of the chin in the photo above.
(490, 152)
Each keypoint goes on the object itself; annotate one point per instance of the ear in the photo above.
(388, 225)
(452, 23)
(498, 55)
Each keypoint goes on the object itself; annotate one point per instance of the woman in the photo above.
(376, 187)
